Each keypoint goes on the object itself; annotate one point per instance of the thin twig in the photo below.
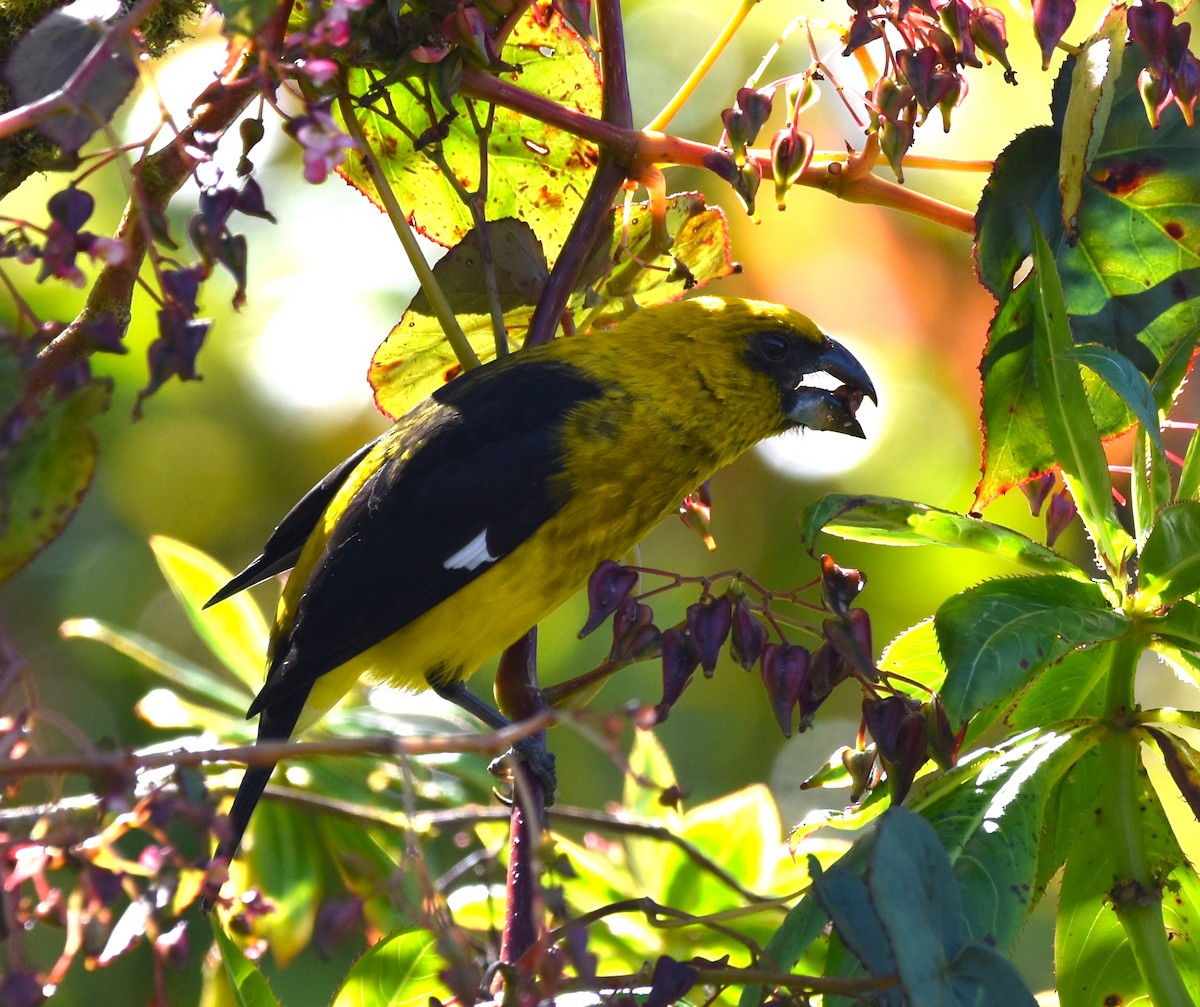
(101, 764)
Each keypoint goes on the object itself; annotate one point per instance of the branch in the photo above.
(101, 764)
(157, 177)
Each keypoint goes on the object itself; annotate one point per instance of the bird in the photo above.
(449, 536)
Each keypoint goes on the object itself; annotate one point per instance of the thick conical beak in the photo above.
(821, 409)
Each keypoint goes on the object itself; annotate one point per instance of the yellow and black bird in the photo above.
(444, 540)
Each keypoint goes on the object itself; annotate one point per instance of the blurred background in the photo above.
(284, 397)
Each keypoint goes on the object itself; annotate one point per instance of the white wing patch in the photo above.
(472, 555)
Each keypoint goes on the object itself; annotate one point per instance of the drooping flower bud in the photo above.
(1185, 82)
(71, 207)
(785, 677)
(756, 106)
(1036, 491)
(1051, 19)
(1150, 27)
(840, 586)
(747, 636)
(708, 624)
(862, 30)
(634, 634)
(679, 663)
(609, 585)
(1156, 95)
(1059, 514)
(850, 636)
(990, 34)
(791, 153)
(943, 742)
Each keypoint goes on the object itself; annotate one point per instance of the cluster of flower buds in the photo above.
(1061, 511)
(797, 680)
(936, 40)
(1172, 73)
(63, 240)
(908, 733)
(750, 112)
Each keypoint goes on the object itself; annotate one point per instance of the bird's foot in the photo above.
(533, 754)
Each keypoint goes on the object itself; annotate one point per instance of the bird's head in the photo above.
(789, 349)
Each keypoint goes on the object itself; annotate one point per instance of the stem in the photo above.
(408, 241)
(1121, 794)
(671, 109)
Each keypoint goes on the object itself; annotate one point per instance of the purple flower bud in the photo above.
(862, 30)
(250, 201)
(473, 32)
(71, 207)
(850, 637)
(785, 677)
(629, 625)
(990, 33)
(1051, 19)
(757, 108)
(1036, 491)
(1150, 27)
(679, 663)
(721, 164)
(1186, 84)
(737, 127)
(609, 586)
(748, 636)
(336, 920)
(182, 286)
(920, 69)
(708, 624)
(669, 982)
(216, 204)
(839, 585)
(1059, 514)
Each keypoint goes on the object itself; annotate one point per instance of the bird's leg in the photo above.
(532, 749)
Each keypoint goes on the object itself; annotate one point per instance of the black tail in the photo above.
(275, 724)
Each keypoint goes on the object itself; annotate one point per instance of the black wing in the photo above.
(282, 549)
(480, 460)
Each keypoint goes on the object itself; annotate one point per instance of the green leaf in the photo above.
(979, 976)
(1118, 372)
(415, 359)
(527, 160)
(998, 636)
(989, 814)
(887, 521)
(1189, 475)
(1093, 88)
(650, 775)
(282, 855)
(1169, 567)
(1131, 279)
(200, 683)
(844, 897)
(402, 970)
(1073, 434)
(235, 631)
(739, 833)
(1094, 962)
(245, 17)
(912, 890)
(247, 986)
(915, 655)
(46, 470)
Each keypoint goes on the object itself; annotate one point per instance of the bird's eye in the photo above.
(773, 348)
